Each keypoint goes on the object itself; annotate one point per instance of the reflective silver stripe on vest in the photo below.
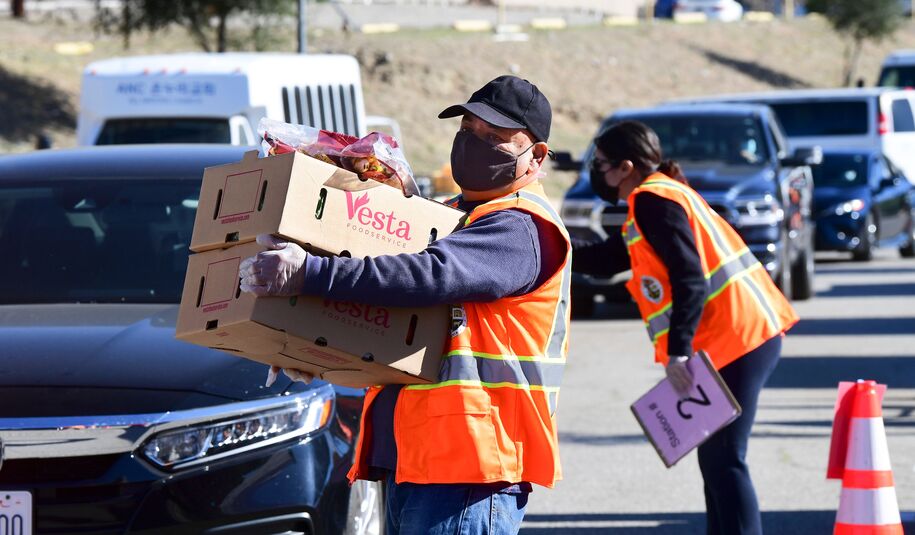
(659, 324)
(536, 373)
(720, 276)
(558, 338)
(718, 280)
(699, 210)
(631, 232)
(557, 341)
(764, 304)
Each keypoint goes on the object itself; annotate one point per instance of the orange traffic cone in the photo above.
(867, 505)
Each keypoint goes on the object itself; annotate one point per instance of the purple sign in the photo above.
(674, 424)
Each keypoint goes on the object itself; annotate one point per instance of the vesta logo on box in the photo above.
(358, 210)
(374, 315)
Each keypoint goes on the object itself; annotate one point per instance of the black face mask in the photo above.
(601, 188)
(478, 166)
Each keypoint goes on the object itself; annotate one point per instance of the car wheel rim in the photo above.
(871, 233)
(366, 518)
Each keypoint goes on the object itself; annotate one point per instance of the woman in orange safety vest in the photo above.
(697, 286)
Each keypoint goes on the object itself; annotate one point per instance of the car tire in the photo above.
(908, 250)
(802, 273)
(865, 250)
(365, 514)
(783, 279)
(582, 303)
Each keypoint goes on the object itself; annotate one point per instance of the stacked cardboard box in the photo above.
(328, 211)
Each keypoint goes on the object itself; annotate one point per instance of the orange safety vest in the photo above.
(490, 418)
(743, 308)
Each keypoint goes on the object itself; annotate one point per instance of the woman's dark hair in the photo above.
(637, 142)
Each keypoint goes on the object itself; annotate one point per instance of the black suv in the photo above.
(736, 157)
(108, 424)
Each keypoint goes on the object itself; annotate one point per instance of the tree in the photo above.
(205, 20)
(859, 21)
(17, 8)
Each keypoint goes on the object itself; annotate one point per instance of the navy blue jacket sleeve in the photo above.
(666, 228)
(603, 258)
(498, 256)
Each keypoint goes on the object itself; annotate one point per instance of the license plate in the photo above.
(15, 512)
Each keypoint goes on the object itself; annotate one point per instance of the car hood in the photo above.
(723, 178)
(825, 197)
(89, 358)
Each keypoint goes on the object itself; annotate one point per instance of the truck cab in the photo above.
(736, 157)
(217, 98)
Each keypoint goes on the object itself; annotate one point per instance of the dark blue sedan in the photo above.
(108, 423)
(862, 202)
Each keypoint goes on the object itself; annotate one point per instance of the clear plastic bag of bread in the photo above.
(376, 156)
(379, 157)
(281, 138)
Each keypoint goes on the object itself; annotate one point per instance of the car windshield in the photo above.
(106, 241)
(897, 77)
(822, 118)
(142, 131)
(841, 170)
(731, 139)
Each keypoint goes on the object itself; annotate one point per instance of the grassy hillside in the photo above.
(587, 72)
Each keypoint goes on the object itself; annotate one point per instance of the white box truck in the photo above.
(219, 98)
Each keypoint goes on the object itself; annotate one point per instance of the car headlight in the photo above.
(204, 442)
(755, 212)
(854, 205)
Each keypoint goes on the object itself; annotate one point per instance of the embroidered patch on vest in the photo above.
(652, 289)
(458, 320)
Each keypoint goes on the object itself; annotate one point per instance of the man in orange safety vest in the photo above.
(461, 455)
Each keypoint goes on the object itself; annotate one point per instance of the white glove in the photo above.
(295, 375)
(279, 271)
(679, 375)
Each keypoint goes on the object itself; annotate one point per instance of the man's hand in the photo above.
(295, 375)
(279, 271)
(680, 376)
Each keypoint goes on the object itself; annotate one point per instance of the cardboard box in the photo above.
(350, 344)
(315, 204)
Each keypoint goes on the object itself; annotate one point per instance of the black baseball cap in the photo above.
(508, 102)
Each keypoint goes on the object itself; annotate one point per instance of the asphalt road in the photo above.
(860, 325)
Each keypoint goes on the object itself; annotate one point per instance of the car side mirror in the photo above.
(888, 182)
(804, 156)
(563, 161)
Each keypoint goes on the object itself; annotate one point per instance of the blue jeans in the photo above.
(730, 500)
(442, 509)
